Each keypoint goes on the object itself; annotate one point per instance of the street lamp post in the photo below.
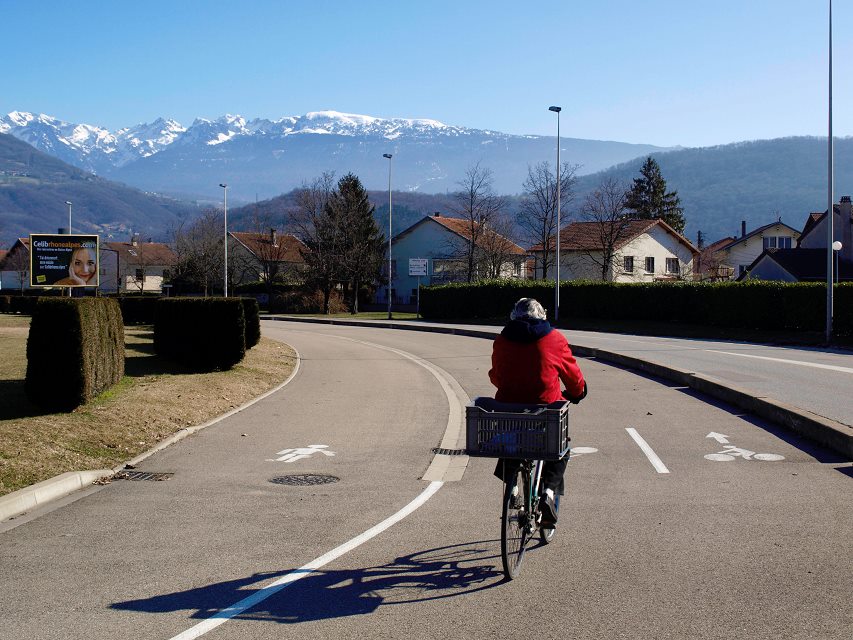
(830, 196)
(557, 285)
(225, 188)
(388, 155)
(836, 249)
(69, 203)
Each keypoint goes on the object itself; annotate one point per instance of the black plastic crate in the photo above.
(532, 432)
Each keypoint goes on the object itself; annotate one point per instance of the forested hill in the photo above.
(34, 187)
(753, 181)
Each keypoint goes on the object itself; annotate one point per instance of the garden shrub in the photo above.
(138, 309)
(204, 334)
(75, 350)
(251, 311)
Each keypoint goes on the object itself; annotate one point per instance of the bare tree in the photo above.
(322, 237)
(477, 204)
(606, 209)
(496, 250)
(19, 262)
(537, 214)
(198, 246)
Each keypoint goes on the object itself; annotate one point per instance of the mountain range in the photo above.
(263, 158)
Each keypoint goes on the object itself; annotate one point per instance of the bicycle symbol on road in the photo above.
(292, 455)
(731, 452)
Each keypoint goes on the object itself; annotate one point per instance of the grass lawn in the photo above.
(154, 399)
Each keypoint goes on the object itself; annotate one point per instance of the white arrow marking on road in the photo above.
(292, 455)
(719, 437)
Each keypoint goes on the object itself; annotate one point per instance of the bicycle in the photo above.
(528, 435)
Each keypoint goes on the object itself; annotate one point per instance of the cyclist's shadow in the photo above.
(443, 572)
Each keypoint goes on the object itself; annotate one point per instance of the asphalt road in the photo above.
(744, 548)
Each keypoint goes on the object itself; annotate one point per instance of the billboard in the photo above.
(63, 260)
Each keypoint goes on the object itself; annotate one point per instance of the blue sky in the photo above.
(664, 72)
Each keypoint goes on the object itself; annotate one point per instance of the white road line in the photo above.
(657, 463)
(802, 363)
(259, 596)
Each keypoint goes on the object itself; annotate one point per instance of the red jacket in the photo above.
(529, 359)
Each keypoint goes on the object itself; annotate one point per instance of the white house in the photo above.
(735, 256)
(443, 242)
(639, 251)
(135, 267)
(272, 256)
(807, 261)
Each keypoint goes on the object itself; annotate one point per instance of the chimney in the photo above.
(437, 214)
(273, 237)
(134, 239)
(743, 228)
(846, 229)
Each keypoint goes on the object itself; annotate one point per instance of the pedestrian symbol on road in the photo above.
(292, 455)
(731, 452)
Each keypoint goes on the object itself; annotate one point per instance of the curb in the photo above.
(24, 500)
(829, 433)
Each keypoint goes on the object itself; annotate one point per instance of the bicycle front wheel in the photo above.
(515, 530)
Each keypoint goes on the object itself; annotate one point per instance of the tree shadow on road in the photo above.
(443, 572)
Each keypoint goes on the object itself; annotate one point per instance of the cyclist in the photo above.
(529, 359)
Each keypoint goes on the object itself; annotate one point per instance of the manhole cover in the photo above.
(142, 475)
(450, 452)
(304, 479)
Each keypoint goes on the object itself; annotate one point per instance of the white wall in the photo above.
(746, 251)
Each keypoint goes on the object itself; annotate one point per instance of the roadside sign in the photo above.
(418, 266)
(63, 260)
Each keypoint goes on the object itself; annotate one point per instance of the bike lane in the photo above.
(153, 558)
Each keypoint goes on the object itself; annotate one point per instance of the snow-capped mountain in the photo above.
(266, 157)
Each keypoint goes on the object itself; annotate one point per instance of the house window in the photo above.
(650, 265)
(140, 275)
(629, 264)
(777, 242)
(672, 265)
(784, 242)
(770, 242)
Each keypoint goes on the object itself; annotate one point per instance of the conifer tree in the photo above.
(648, 198)
(361, 249)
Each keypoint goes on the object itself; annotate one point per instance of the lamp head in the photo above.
(555, 109)
(224, 186)
(386, 155)
(836, 246)
(68, 202)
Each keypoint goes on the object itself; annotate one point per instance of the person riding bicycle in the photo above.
(529, 359)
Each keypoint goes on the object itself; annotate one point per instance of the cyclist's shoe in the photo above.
(549, 511)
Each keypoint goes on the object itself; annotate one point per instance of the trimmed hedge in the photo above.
(252, 313)
(75, 350)
(751, 304)
(202, 333)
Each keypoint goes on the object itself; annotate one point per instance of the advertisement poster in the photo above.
(63, 260)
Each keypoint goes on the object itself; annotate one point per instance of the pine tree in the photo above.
(649, 200)
(361, 248)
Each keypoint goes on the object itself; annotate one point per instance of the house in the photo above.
(735, 256)
(624, 251)
(807, 261)
(255, 257)
(709, 265)
(15, 266)
(135, 266)
(444, 242)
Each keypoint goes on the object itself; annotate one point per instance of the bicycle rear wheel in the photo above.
(515, 530)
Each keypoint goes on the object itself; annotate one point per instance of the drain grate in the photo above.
(450, 452)
(143, 475)
(304, 479)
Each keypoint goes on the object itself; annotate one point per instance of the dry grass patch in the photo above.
(154, 400)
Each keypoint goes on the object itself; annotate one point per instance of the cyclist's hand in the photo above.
(576, 399)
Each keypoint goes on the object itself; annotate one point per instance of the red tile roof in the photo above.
(462, 227)
(288, 247)
(587, 236)
(143, 253)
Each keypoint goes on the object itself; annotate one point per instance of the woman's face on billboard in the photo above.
(83, 264)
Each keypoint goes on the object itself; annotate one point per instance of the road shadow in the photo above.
(443, 572)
